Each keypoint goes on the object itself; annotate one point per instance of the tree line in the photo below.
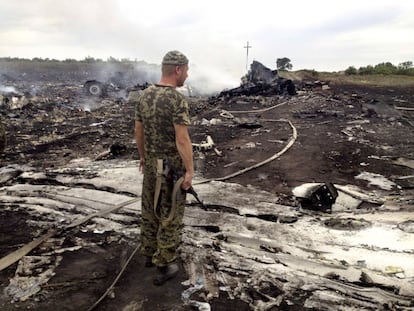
(387, 68)
(87, 59)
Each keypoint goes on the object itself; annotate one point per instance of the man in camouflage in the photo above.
(161, 121)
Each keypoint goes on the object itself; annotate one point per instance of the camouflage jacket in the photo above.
(159, 108)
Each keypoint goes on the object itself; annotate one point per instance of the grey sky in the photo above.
(321, 35)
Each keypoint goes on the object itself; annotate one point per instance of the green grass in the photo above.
(369, 80)
(340, 78)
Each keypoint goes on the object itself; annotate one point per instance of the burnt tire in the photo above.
(94, 88)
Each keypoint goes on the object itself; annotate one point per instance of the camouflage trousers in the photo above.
(160, 240)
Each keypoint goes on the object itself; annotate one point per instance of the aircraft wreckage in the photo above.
(261, 80)
(69, 220)
(243, 245)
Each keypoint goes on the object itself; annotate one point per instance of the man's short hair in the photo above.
(175, 58)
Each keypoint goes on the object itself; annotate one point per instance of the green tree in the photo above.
(405, 65)
(368, 70)
(385, 68)
(112, 59)
(89, 59)
(283, 64)
(351, 70)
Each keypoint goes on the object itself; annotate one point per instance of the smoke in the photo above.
(119, 76)
(210, 81)
(150, 73)
(201, 80)
(34, 90)
(89, 105)
(8, 89)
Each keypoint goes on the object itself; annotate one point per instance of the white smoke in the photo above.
(89, 104)
(8, 89)
(210, 80)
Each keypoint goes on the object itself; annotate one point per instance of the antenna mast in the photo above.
(247, 47)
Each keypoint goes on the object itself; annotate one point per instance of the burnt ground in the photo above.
(341, 132)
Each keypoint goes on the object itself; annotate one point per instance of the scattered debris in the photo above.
(241, 255)
(115, 150)
(319, 197)
(405, 162)
(116, 88)
(253, 246)
(376, 180)
(260, 80)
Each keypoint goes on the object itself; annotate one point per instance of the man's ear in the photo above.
(177, 69)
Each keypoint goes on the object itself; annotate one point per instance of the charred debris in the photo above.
(14, 93)
(32, 98)
(261, 80)
(250, 246)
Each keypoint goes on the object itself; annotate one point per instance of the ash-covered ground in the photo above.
(70, 154)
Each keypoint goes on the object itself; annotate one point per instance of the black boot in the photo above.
(166, 273)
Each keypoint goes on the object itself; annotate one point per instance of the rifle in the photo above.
(177, 176)
(195, 195)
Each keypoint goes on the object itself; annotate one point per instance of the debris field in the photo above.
(69, 183)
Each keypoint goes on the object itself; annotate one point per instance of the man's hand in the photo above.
(141, 165)
(185, 149)
(187, 182)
